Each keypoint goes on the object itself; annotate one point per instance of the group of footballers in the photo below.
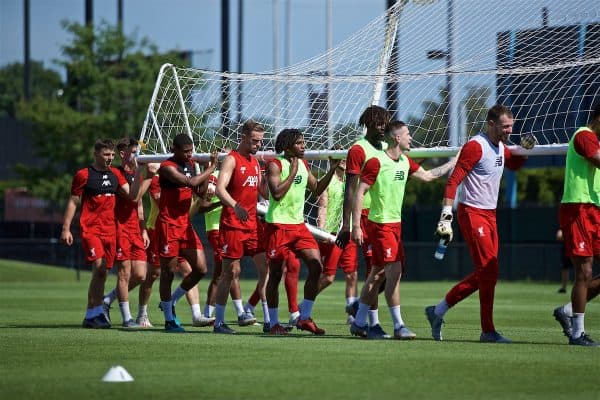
(360, 202)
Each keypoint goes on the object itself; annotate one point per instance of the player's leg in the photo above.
(167, 268)
(292, 277)
(272, 293)
(261, 286)
(368, 294)
(230, 272)
(145, 291)
(308, 250)
(123, 278)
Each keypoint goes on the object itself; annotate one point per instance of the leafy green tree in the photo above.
(110, 79)
(45, 83)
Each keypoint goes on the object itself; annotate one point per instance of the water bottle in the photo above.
(441, 249)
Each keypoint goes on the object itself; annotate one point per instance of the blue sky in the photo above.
(189, 25)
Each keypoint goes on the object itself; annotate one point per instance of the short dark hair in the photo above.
(125, 143)
(373, 116)
(498, 110)
(181, 140)
(395, 124)
(286, 139)
(104, 143)
(251, 126)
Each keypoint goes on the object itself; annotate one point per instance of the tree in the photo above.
(45, 83)
(110, 79)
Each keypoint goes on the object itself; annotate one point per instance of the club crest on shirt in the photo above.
(243, 170)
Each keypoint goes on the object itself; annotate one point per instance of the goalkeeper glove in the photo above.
(528, 141)
(444, 226)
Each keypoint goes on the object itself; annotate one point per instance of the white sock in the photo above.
(249, 307)
(110, 297)
(125, 313)
(295, 315)
(177, 294)
(350, 300)
(274, 316)
(219, 314)
(265, 308)
(396, 317)
(196, 313)
(306, 309)
(167, 307)
(143, 310)
(361, 314)
(578, 326)
(211, 311)
(373, 317)
(239, 307)
(568, 309)
(441, 308)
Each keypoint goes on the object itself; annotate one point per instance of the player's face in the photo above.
(255, 141)
(104, 157)
(403, 138)
(501, 129)
(342, 165)
(129, 155)
(184, 153)
(297, 149)
(377, 130)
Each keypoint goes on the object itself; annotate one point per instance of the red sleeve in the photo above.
(586, 144)
(355, 160)
(79, 181)
(469, 156)
(306, 164)
(511, 161)
(370, 171)
(276, 162)
(120, 177)
(154, 188)
(412, 166)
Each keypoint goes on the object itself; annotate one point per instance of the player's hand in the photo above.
(357, 235)
(240, 212)
(342, 238)
(214, 158)
(66, 237)
(152, 169)
(528, 141)
(333, 163)
(145, 238)
(444, 226)
(293, 165)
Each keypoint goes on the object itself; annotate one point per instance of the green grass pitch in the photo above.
(46, 355)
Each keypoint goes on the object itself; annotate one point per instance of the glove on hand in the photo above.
(444, 226)
(528, 141)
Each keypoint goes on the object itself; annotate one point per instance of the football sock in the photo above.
(373, 317)
(210, 312)
(167, 307)
(239, 307)
(177, 294)
(249, 307)
(578, 326)
(274, 316)
(350, 300)
(219, 314)
(568, 309)
(361, 314)
(142, 310)
(265, 308)
(306, 309)
(196, 313)
(125, 312)
(396, 317)
(441, 308)
(110, 297)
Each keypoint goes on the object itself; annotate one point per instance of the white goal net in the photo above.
(437, 65)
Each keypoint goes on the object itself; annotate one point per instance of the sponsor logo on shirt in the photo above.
(498, 162)
(105, 181)
(399, 176)
(187, 172)
(298, 180)
(251, 180)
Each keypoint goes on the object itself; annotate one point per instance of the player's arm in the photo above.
(277, 187)
(322, 210)
(319, 186)
(586, 145)
(142, 181)
(357, 233)
(142, 222)
(66, 236)
(200, 179)
(432, 174)
(201, 205)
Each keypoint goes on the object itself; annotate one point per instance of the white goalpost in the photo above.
(436, 65)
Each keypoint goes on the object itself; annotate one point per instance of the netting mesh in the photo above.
(437, 65)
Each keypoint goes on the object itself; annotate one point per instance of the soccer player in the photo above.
(479, 167)
(238, 188)
(132, 237)
(329, 218)
(385, 177)
(95, 188)
(288, 176)
(176, 236)
(375, 119)
(579, 219)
